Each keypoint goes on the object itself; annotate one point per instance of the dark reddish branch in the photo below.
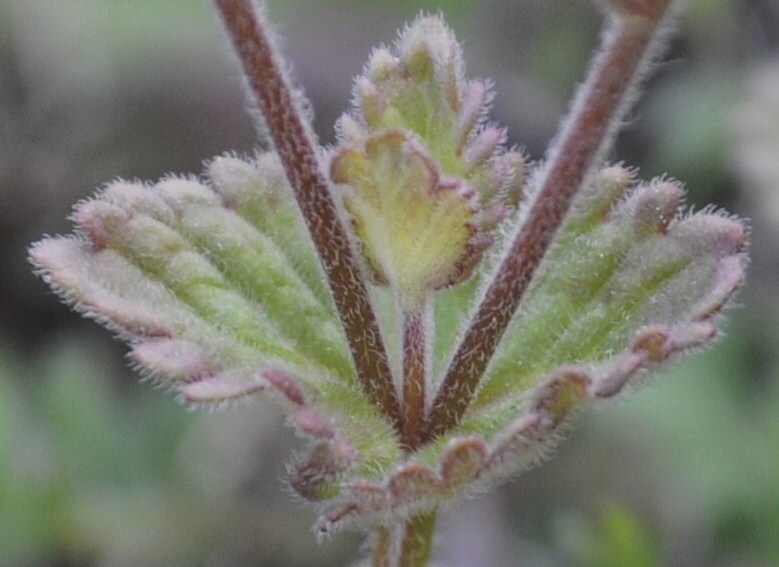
(595, 116)
(414, 378)
(297, 152)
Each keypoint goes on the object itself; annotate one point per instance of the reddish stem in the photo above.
(414, 378)
(294, 145)
(405, 544)
(577, 154)
(382, 549)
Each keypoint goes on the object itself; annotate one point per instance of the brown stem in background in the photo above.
(296, 148)
(594, 118)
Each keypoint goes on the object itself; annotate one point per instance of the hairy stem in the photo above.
(407, 544)
(598, 109)
(295, 146)
(415, 371)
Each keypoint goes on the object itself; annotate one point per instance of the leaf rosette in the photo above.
(216, 286)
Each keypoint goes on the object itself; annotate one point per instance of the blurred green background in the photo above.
(99, 470)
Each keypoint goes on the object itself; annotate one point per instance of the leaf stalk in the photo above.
(629, 44)
(295, 145)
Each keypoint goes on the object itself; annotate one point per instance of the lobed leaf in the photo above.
(644, 264)
(214, 308)
(630, 283)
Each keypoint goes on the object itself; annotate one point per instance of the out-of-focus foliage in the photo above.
(712, 439)
(96, 470)
(617, 538)
(93, 473)
(69, 445)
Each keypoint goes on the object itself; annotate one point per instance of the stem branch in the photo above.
(415, 371)
(572, 160)
(407, 544)
(295, 146)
